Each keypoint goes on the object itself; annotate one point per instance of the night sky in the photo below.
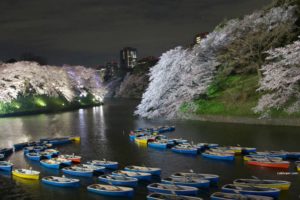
(91, 32)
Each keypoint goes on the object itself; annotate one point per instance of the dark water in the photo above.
(104, 134)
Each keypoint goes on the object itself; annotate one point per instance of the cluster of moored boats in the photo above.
(122, 182)
(271, 159)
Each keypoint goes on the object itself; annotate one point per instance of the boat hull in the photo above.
(58, 184)
(270, 165)
(26, 176)
(216, 157)
(157, 146)
(51, 166)
(186, 151)
(112, 193)
(77, 173)
(6, 168)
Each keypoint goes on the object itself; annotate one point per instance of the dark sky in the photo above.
(90, 32)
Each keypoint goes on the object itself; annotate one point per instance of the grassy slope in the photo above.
(233, 92)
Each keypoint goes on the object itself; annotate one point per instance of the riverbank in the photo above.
(243, 120)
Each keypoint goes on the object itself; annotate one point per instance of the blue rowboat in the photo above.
(160, 196)
(78, 171)
(251, 190)
(28, 149)
(105, 163)
(33, 156)
(248, 150)
(281, 154)
(150, 170)
(6, 151)
(20, 146)
(46, 155)
(61, 181)
(293, 155)
(6, 166)
(138, 175)
(158, 144)
(95, 168)
(230, 196)
(185, 149)
(119, 180)
(110, 190)
(187, 181)
(63, 161)
(218, 155)
(62, 141)
(50, 164)
(38, 148)
(53, 152)
(172, 189)
(204, 146)
(177, 141)
(211, 177)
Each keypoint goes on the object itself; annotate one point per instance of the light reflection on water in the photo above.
(104, 132)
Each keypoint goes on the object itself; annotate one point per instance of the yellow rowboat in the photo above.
(143, 139)
(26, 173)
(282, 185)
(76, 139)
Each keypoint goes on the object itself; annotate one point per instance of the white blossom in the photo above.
(181, 75)
(24, 78)
(281, 78)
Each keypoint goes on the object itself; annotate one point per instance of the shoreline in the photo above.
(243, 120)
(47, 111)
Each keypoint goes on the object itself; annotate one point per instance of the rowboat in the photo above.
(76, 138)
(119, 180)
(251, 190)
(204, 146)
(211, 177)
(230, 196)
(26, 173)
(73, 158)
(105, 163)
(61, 181)
(236, 149)
(172, 189)
(247, 150)
(56, 142)
(223, 150)
(158, 144)
(187, 181)
(78, 171)
(164, 129)
(253, 156)
(110, 190)
(269, 163)
(218, 155)
(33, 156)
(185, 149)
(293, 155)
(38, 149)
(138, 175)
(95, 168)
(28, 149)
(6, 151)
(6, 166)
(281, 154)
(282, 185)
(53, 152)
(144, 139)
(150, 170)
(177, 141)
(45, 154)
(53, 164)
(160, 196)
(20, 146)
(63, 161)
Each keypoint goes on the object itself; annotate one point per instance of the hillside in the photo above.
(235, 71)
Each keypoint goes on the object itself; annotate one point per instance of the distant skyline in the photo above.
(91, 32)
